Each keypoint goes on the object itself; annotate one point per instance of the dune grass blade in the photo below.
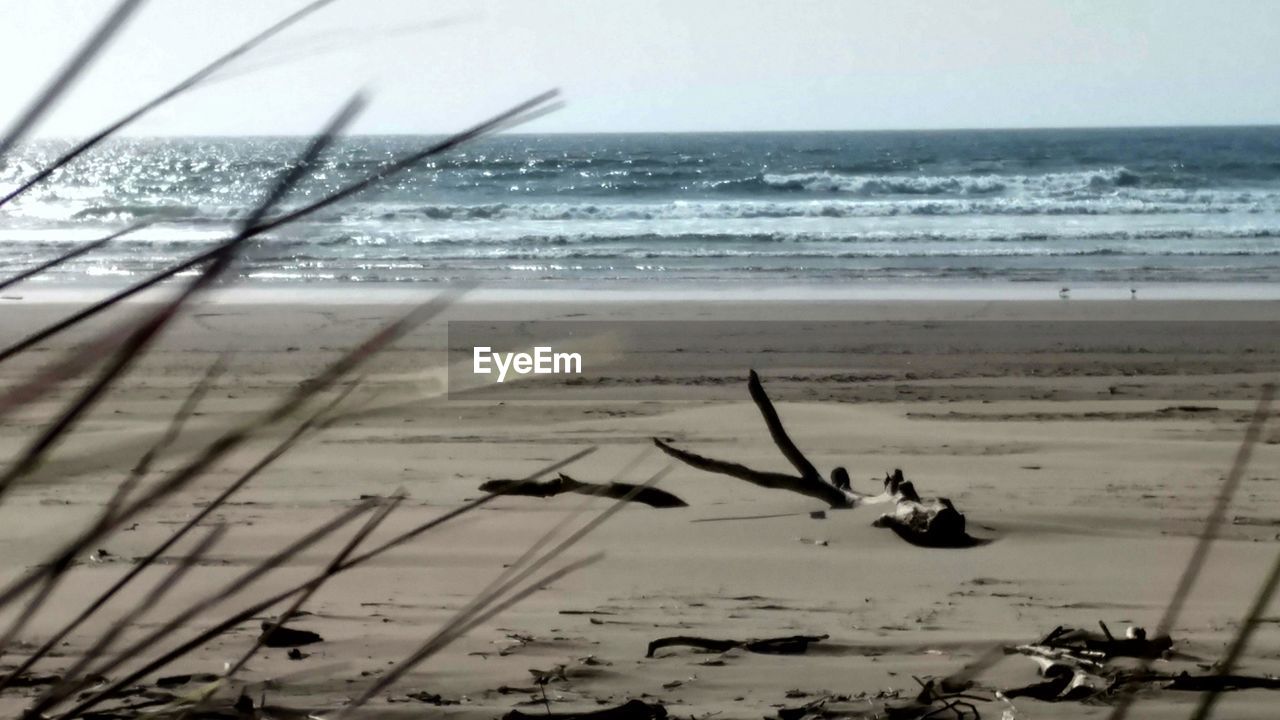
(54, 576)
(146, 333)
(307, 47)
(541, 542)
(188, 406)
(174, 624)
(474, 612)
(184, 413)
(62, 81)
(1251, 621)
(70, 255)
(132, 349)
(451, 632)
(374, 521)
(262, 605)
(467, 507)
(502, 120)
(189, 83)
(68, 685)
(1207, 535)
(234, 438)
(81, 358)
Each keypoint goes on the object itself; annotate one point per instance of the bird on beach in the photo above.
(1133, 293)
(1064, 293)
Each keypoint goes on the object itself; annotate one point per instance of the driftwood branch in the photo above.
(789, 645)
(809, 482)
(563, 484)
(928, 523)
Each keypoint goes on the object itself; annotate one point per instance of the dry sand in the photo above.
(1073, 457)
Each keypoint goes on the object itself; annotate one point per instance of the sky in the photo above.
(434, 66)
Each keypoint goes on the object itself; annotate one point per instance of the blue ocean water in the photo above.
(1124, 205)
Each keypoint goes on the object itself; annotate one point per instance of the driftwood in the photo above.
(278, 636)
(630, 710)
(1104, 646)
(928, 523)
(927, 705)
(789, 645)
(651, 496)
(1076, 666)
(1219, 683)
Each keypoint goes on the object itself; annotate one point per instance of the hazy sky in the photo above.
(655, 65)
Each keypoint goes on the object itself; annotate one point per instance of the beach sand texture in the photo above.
(1090, 466)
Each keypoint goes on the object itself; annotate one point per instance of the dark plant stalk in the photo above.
(483, 500)
(1251, 621)
(59, 568)
(149, 330)
(180, 418)
(474, 613)
(234, 587)
(70, 255)
(232, 439)
(73, 69)
(271, 601)
(455, 629)
(374, 521)
(68, 685)
(519, 113)
(1207, 535)
(190, 82)
(134, 347)
(172, 540)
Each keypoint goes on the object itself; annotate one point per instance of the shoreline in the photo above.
(339, 293)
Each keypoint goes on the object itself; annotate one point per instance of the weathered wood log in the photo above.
(279, 636)
(934, 523)
(809, 482)
(653, 497)
(789, 645)
(1105, 646)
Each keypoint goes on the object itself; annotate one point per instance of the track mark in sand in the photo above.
(967, 450)
(232, 323)
(1173, 412)
(471, 439)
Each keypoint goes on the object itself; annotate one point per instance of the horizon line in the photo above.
(957, 129)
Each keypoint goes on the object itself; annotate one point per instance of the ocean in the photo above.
(1181, 205)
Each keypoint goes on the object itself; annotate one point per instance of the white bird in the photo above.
(1064, 293)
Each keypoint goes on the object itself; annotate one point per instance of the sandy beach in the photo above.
(1089, 464)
